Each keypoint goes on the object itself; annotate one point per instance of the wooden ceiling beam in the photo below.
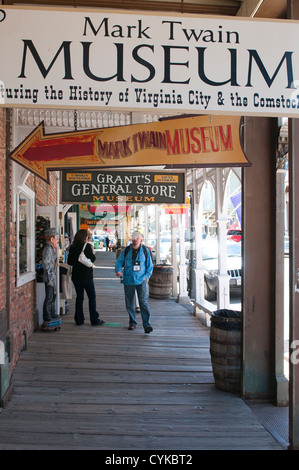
(273, 9)
(263, 8)
(229, 8)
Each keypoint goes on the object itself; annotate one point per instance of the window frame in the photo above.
(30, 274)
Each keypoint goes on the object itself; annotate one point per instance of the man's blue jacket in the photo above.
(124, 264)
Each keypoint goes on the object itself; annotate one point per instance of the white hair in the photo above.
(137, 235)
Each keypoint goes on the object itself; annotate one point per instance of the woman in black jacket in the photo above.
(82, 277)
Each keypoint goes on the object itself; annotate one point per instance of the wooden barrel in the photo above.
(225, 350)
(160, 283)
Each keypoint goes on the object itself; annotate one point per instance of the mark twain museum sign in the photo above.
(120, 60)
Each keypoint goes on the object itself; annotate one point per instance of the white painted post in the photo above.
(157, 230)
(174, 255)
(183, 294)
(223, 291)
(2, 353)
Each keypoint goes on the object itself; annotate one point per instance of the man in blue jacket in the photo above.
(135, 266)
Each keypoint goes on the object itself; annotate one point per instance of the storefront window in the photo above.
(25, 238)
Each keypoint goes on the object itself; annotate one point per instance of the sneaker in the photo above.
(99, 323)
(148, 329)
(132, 327)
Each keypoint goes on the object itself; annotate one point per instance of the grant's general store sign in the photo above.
(123, 187)
(129, 60)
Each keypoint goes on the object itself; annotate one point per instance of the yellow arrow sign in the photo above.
(196, 141)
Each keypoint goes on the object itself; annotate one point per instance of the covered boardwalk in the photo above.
(107, 388)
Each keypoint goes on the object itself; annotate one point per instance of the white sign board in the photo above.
(119, 60)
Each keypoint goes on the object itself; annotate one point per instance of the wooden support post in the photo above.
(293, 13)
(259, 259)
(282, 383)
(294, 282)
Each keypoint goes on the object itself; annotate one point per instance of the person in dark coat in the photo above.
(82, 277)
(107, 240)
(49, 260)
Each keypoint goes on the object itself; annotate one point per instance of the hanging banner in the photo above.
(176, 209)
(112, 60)
(107, 208)
(186, 142)
(123, 187)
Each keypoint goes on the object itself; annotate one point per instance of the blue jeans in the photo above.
(142, 293)
(88, 286)
(49, 307)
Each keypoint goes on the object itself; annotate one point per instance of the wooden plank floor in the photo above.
(107, 388)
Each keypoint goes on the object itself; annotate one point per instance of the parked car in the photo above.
(169, 259)
(234, 234)
(286, 246)
(165, 244)
(210, 265)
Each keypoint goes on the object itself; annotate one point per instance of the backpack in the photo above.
(145, 251)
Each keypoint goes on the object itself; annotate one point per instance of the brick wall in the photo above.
(46, 194)
(2, 229)
(17, 304)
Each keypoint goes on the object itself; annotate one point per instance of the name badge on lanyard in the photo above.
(136, 266)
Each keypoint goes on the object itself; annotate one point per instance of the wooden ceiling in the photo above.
(266, 8)
(213, 7)
(272, 9)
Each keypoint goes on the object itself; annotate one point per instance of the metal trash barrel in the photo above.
(160, 283)
(226, 349)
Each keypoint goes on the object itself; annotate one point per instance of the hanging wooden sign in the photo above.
(201, 141)
(122, 188)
